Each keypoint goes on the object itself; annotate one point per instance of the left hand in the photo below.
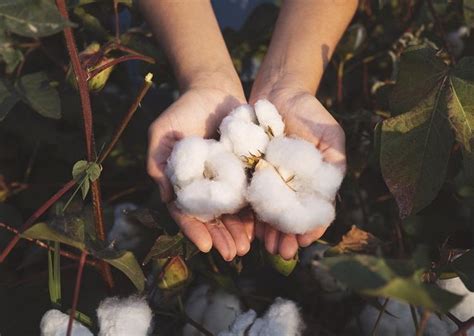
(306, 118)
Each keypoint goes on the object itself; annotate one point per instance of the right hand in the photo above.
(198, 112)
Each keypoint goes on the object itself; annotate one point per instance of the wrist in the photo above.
(274, 79)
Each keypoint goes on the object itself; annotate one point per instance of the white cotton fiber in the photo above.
(208, 180)
(328, 179)
(244, 112)
(241, 324)
(282, 319)
(242, 137)
(124, 317)
(54, 323)
(215, 310)
(125, 234)
(269, 118)
(287, 210)
(465, 309)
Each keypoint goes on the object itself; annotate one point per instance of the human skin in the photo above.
(303, 41)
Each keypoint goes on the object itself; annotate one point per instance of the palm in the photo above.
(198, 112)
(305, 118)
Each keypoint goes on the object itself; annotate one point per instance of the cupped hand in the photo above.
(198, 112)
(306, 118)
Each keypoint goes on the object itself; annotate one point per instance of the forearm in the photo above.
(305, 36)
(190, 35)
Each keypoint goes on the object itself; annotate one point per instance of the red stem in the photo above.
(77, 290)
(46, 246)
(465, 327)
(41, 210)
(116, 61)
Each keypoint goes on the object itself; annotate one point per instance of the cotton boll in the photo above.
(211, 185)
(244, 112)
(286, 209)
(242, 137)
(241, 324)
(214, 310)
(297, 156)
(328, 179)
(124, 317)
(465, 309)
(186, 162)
(222, 192)
(282, 319)
(269, 118)
(124, 233)
(54, 323)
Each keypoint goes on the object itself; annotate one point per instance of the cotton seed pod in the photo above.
(208, 180)
(98, 82)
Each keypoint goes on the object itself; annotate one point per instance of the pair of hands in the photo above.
(199, 112)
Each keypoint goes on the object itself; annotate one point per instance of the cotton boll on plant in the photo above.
(465, 309)
(269, 118)
(215, 310)
(241, 324)
(208, 180)
(125, 234)
(282, 319)
(54, 323)
(124, 317)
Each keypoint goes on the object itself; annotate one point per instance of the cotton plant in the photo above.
(285, 179)
(130, 316)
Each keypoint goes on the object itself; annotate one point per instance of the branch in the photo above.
(48, 247)
(116, 61)
(77, 290)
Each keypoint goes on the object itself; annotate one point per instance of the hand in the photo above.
(305, 117)
(198, 112)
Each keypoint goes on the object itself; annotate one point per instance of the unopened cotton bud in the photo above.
(269, 118)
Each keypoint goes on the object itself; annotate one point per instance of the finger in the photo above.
(192, 228)
(272, 238)
(288, 246)
(237, 230)
(248, 220)
(222, 240)
(310, 237)
(260, 230)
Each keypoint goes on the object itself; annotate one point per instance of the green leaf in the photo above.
(86, 172)
(468, 8)
(174, 275)
(389, 278)
(54, 274)
(93, 171)
(8, 54)
(416, 143)
(32, 18)
(281, 265)
(42, 231)
(166, 246)
(36, 91)
(8, 99)
(128, 264)
(464, 268)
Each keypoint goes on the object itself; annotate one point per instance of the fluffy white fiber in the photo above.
(214, 310)
(294, 189)
(465, 309)
(282, 319)
(54, 323)
(124, 317)
(208, 180)
(269, 118)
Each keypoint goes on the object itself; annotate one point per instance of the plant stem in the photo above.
(77, 290)
(423, 321)
(379, 318)
(465, 327)
(39, 212)
(116, 61)
(81, 78)
(126, 119)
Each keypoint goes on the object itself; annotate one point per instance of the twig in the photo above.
(117, 22)
(46, 246)
(124, 122)
(413, 316)
(196, 325)
(441, 31)
(423, 321)
(464, 328)
(77, 290)
(379, 318)
(116, 61)
(81, 78)
(39, 212)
